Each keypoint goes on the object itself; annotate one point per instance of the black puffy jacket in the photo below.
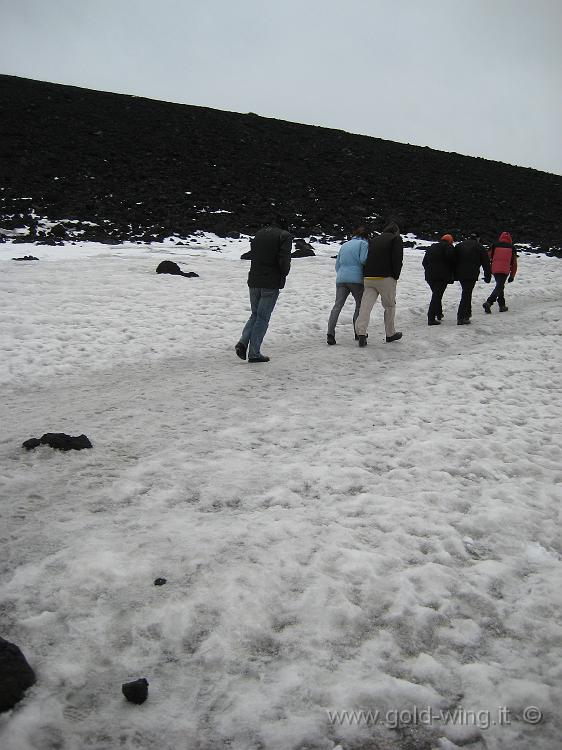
(271, 258)
(469, 257)
(385, 256)
(438, 262)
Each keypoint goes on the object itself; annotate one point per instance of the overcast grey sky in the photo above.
(480, 77)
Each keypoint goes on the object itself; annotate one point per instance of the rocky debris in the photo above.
(159, 581)
(26, 257)
(246, 256)
(136, 691)
(168, 266)
(59, 440)
(160, 169)
(15, 675)
(303, 249)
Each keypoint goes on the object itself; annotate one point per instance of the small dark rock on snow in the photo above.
(59, 440)
(15, 675)
(136, 691)
(159, 581)
(168, 266)
(26, 257)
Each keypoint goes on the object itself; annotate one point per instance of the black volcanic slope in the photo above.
(142, 170)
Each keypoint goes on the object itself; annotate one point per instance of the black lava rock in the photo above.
(59, 440)
(150, 169)
(159, 581)
(168, 266)
(26, 257)
(136, 691)
(15, 675)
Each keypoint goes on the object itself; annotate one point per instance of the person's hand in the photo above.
(510, 280)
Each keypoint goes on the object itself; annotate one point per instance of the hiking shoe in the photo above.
(362, 341)
(259, 358)
(433, 322)
(487, 308)
(504, 308)
(330, 339)
(440, 316)
(397, 336)
(240, 350)
(357, 337)
(463, 322)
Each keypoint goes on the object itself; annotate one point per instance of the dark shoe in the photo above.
(357, 337)
(463, 322)
(440, 316)
(261, 358)
(330, 340)
(433, 322)
(240, 350)
(397, 336)
(487, 308)
(504, 308)
(362, 341)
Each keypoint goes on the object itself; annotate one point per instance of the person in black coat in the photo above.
(270, 257)
(438, 266)
(469, 256)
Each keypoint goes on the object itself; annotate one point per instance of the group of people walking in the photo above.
(369, 267)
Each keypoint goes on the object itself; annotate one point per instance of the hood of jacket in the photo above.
(505, 237)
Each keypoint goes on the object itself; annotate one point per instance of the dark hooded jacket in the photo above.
(469, 257)
(271, 258)
(438, 262)
(386, 254)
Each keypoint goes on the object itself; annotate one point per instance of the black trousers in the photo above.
(498, 293)
(465, 305)
(435, 309)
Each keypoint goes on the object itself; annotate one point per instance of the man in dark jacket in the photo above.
(270, 257)
(382, 271)
(470, 256)
(438, 266)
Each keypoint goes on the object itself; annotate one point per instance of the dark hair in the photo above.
(281, 222)
(361, 231)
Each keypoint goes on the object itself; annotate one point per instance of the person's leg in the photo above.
(266, 303)
(342, 293)
(387, 290)
(357, 292)
(368, 299)
(500, 286)
(433, 308)
(442, 287)
(247, 330)
(496, 290)
(464, 311)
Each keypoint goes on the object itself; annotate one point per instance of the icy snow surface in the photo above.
(340, 529)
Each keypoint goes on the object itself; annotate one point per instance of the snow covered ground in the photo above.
(341, 529)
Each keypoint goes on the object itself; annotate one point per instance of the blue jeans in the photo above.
(262, 302)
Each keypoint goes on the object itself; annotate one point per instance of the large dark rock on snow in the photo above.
(136, 691)
(59, 440)
(141, 170)
(168, 266)
(303, 249)
(15, 675)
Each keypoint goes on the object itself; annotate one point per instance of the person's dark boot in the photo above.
(330, 339)
(240, 350)
(396, 337)
(463, 322)
(259, 358)
(504, 308)
(434, 322)
(357, 337)
(440, 316)
(362, 341)
(487, 308)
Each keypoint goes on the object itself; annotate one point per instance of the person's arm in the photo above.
(363, 252)
(284, 257)
(513, 267)
(485, 263)
(397, 256)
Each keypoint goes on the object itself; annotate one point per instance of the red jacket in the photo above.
(503, 256)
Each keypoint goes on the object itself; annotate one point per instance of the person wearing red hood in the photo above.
(504, 266)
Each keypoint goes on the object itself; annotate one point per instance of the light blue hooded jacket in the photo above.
(350, 261)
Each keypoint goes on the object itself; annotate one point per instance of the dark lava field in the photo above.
(113, 168)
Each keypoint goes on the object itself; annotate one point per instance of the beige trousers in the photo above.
(373, 287)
